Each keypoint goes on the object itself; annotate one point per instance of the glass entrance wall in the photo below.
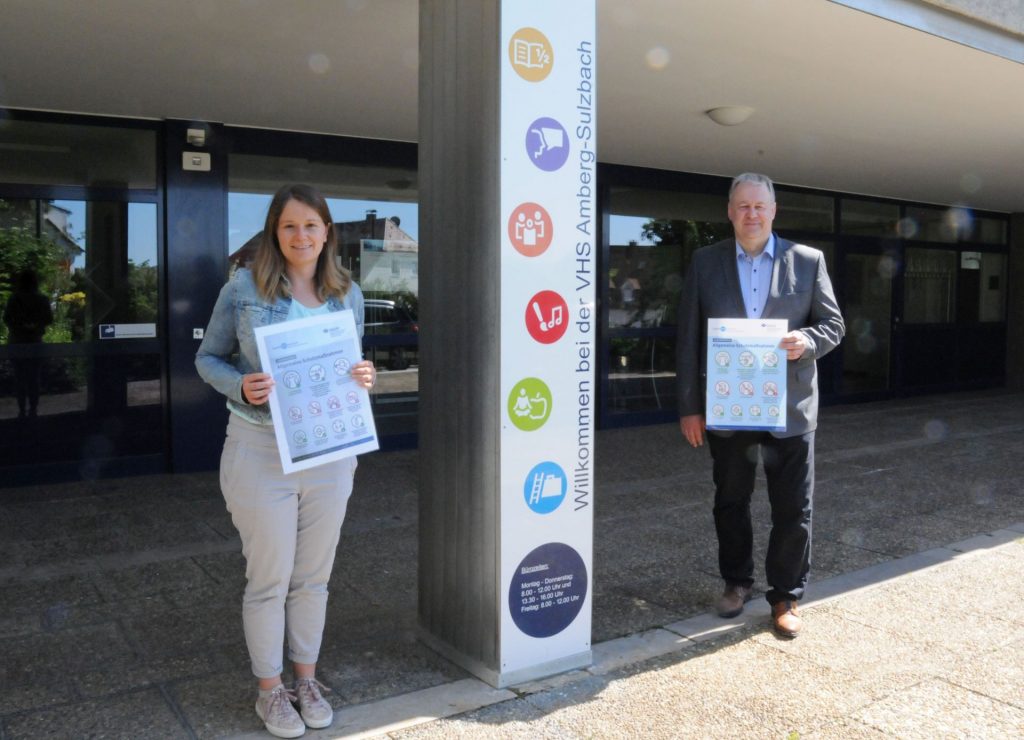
(910, 279)
(376, 215)
(867, 308)
(652, 234)
(80, 350)
(82, 346)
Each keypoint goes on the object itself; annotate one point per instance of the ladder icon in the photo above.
(536, 488)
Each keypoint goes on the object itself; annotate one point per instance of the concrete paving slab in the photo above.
(129, 716)
(218, 705)
(844, 728)
(943, 619)
(96, 682)
(186, 631)
(66, 616)
(614, 655)
(150, 579)
(681, 592)
(998, 674)
(935, 708)
(709, 626)
(391, 716)
(61, 652)
(874, 575)
(550, 682)
(710, 694)
(19, 623)
(618, 614)
(370, 671)
(513, 720)
(40, 687)
(876, 660)
(831, 557)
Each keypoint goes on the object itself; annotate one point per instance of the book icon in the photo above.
(530, 54)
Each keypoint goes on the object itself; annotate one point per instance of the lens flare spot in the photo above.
(657, 58)
(958, 222)
(970, 183)
(886, 267)
(319, 63)
(936, 429)
(981, 494)
(907, 227)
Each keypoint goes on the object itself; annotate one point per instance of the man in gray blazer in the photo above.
(759, 275)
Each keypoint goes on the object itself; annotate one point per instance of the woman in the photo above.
(289, 524)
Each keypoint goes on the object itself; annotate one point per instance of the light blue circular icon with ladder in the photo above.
(545, 487)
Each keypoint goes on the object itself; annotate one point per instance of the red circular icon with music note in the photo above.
(529, 228)
(547, 317)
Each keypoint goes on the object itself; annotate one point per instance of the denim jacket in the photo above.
(228, 350)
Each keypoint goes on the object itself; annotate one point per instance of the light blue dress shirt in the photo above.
(755, 277)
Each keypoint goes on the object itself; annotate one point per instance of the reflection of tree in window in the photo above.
(653, 273)
(23, 248)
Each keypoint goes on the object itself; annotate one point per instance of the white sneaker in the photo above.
(278, 714)
(316, 711)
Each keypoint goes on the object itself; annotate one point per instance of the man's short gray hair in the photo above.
(755, 178)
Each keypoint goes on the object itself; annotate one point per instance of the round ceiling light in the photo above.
(730, 115)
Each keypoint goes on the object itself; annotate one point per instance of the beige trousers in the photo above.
(289, 525)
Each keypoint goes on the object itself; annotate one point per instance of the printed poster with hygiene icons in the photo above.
(548, 331)
(746, 387)
(320, 413)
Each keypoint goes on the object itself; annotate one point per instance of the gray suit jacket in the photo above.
(800, 292)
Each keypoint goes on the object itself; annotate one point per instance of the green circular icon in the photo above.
(529, 404)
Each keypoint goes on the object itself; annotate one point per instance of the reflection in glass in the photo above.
(868, 218)
(938, 224)
(641, 374)
(991, 230)
(91, 410)
(44, 153)
(981, 290)
(868, 314)
(66, 394)
(929, 286)
(804, 212)
(61, 381)
(96, 262)
(649, 254)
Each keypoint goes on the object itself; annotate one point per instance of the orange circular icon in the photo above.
(529, 229)
(531, 54)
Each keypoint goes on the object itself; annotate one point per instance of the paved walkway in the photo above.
(120, 600)
(928, 646)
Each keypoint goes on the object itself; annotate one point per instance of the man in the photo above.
(760, 275)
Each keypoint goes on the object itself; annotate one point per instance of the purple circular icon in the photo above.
(547, 144)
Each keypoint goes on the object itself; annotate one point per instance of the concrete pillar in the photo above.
(459, 330)
(504, 577)
(1015, 306)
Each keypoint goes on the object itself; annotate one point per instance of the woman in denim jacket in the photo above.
(289, 524)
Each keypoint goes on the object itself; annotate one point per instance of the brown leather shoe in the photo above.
(785, 619)
(732, 601)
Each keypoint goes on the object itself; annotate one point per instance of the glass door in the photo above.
(80, 355)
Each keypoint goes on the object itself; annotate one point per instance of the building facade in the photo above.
(131, 219)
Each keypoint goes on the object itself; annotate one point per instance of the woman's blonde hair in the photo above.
(268, 266)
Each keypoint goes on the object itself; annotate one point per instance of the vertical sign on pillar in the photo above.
(548, 207)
